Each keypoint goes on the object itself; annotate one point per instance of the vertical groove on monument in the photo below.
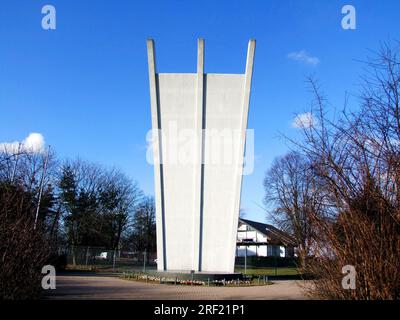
(198, 154)
(197, 201)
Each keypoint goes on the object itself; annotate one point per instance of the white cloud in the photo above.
(33, 143)
(303, 56)
(304, 121)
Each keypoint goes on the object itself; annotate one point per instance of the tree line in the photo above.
(46, 204)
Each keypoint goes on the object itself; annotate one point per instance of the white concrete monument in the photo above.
(197, 193)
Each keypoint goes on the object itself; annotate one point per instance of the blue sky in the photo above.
(84, 86)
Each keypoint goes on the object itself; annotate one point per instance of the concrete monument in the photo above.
(197, 194)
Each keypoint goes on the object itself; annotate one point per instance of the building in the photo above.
(263, 240)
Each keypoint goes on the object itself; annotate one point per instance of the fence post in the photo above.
(208, 282)
(245, 260)
(72, 250)
(87, 255)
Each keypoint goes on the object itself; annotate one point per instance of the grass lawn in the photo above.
(269, 271)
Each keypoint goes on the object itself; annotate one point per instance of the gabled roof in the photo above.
(274, 235)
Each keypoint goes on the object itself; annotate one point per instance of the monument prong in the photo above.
(244, 119)
(200, 55)
(158, 162)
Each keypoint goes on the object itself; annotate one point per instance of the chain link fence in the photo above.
(110, 260)
(106, 259)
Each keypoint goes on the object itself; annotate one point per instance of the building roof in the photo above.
(274, 235)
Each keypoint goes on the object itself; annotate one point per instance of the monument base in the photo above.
(201, 275)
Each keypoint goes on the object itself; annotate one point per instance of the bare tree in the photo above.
(23, 249)
(292, 190)
(119, 197)
(97, 203)
(357, 159)
(143, 234)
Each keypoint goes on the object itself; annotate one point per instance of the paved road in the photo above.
(98, 287)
